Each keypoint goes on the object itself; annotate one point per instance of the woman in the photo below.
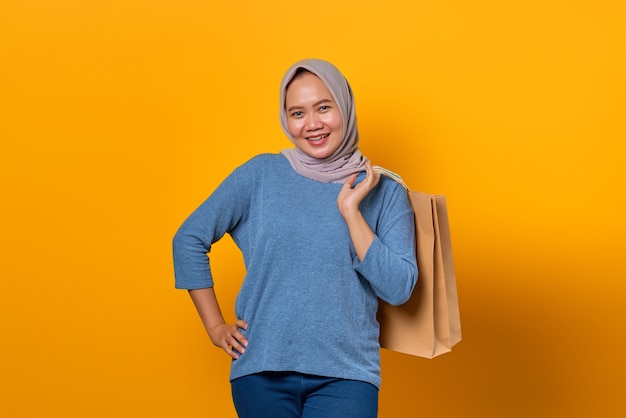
(323, 237)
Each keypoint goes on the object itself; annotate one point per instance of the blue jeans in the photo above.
(295, 395)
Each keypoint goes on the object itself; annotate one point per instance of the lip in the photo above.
(315, 141)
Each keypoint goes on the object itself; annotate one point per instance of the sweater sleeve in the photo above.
(390, 264)
(222, 212)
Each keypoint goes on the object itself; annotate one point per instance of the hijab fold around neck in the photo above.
(347, 159)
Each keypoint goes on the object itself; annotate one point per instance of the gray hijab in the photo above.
(347, 159)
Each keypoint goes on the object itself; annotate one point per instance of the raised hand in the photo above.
(348, 201)
(350, 196)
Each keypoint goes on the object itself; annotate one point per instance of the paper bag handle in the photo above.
(389, 173)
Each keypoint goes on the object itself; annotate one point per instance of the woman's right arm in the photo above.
(224, 211)
(223, 335)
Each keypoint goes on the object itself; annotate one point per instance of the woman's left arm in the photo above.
(386, 262)
(348, 201)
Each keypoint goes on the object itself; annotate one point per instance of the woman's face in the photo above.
(313, 118)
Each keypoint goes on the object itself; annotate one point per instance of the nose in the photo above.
(313, 122)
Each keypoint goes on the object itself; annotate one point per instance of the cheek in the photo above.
(336, 121)
(294, 128)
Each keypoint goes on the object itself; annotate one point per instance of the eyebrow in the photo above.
(292, 108)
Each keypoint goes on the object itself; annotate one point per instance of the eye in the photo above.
(324, 108)
(297, 114)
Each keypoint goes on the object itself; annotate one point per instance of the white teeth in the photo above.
(318, 138)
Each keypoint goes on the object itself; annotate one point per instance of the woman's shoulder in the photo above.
(390, 184)
(264, 160)
(261, 162)
(391, 192)
(260, 168)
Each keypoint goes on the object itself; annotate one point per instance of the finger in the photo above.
(239, 339)
(371, 177)
(237, 349)
(231, 352)
(375, 178)
(350, 182)
(233, 347)
(368, 181)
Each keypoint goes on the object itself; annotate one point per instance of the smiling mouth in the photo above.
(318, 138)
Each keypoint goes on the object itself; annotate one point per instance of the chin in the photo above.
(320, 155)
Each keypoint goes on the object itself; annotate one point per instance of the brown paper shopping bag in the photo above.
(429, 323)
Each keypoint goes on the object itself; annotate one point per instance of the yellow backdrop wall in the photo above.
(117, 118)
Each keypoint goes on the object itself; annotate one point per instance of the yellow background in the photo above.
(117, 118)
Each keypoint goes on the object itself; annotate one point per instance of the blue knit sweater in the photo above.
(309, 302)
